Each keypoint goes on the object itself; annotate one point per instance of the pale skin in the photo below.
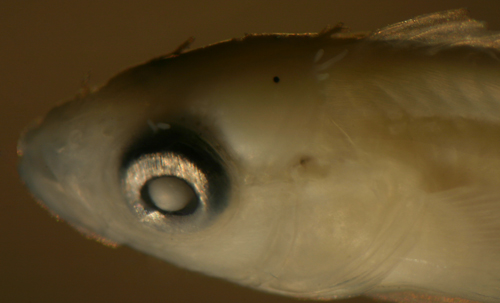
(354, 165)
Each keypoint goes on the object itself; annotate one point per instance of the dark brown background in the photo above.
(46, 49)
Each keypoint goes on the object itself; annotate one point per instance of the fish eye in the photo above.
(167, 183)
(173, 180)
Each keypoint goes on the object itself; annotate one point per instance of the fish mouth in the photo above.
(32, 165)
(35, 171)
(47, 170)
(54, 188)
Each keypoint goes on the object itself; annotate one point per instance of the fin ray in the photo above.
(448, 28)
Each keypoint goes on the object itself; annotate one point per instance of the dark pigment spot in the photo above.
(276, 79)
(305, 160)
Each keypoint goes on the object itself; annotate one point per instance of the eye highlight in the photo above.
(173, 180)
(165, 183)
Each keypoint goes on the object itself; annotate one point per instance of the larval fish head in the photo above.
(273, 193)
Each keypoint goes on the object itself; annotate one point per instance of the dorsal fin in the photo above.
(448, 28)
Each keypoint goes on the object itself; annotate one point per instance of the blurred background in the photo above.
(48, 47)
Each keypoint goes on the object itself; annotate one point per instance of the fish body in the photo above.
(319, 166)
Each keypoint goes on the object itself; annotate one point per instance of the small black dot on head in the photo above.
(304, 160)
(276, 79)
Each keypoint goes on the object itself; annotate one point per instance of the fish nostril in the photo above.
(47, 171)
(309, 167)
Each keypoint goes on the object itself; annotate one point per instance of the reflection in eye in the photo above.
(166, 183)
